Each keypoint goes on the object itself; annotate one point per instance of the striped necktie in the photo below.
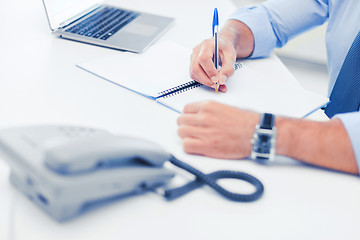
(345, 96)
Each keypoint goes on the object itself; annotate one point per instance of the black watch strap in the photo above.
(267, 121)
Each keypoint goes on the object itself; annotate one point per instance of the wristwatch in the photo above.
(264, 139)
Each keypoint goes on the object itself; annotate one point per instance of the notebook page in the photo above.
(161, 67)
(248, 89)
(166, 65)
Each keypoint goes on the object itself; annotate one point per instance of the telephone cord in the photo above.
(211, 180)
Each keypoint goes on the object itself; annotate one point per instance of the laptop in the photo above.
(93, 22)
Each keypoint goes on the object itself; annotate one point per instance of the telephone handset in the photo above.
(67, 169)
(93, 152)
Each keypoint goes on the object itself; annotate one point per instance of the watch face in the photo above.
(264, 143)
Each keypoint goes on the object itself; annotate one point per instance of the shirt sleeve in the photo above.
(351, 122)
(274, 22)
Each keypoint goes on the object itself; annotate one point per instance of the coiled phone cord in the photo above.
(210, 180)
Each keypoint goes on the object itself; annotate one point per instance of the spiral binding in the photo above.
(238, 66)
(178, 89)
(186, 86)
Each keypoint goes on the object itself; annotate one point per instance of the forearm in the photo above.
(324, 144)
(240, 36)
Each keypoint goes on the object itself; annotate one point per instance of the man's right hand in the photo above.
(235, 41)
(202, 67)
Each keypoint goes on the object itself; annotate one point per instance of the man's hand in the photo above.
(217, 130)
(202, 67)
(235, 41)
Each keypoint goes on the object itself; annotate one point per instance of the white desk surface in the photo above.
(40, 84)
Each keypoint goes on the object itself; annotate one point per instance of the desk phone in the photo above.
(66, 170)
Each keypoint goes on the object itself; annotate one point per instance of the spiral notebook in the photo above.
(162, 74)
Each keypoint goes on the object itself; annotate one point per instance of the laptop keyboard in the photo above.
(103, 24)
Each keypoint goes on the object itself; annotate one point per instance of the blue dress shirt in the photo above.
(275, 22)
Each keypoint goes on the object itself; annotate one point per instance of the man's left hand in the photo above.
(217, 130)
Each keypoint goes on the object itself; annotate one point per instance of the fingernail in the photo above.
(223, 79)
(214, 79)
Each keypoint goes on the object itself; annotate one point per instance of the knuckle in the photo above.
(190, 147)
(203, 120)
(192, 75)
(192, 56)
(228, 70)
(186, 108)
(202, 105)
(194, 71)
(181, 132)
(203, 58)
(179, 121)
(207, 105)
(196, 48)
(208, 41)
(187, 146)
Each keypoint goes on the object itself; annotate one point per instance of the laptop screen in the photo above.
(60, 12)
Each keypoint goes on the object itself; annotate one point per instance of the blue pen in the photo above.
(215, 28)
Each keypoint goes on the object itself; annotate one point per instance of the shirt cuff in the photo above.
(351, 121)
(256, 18)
